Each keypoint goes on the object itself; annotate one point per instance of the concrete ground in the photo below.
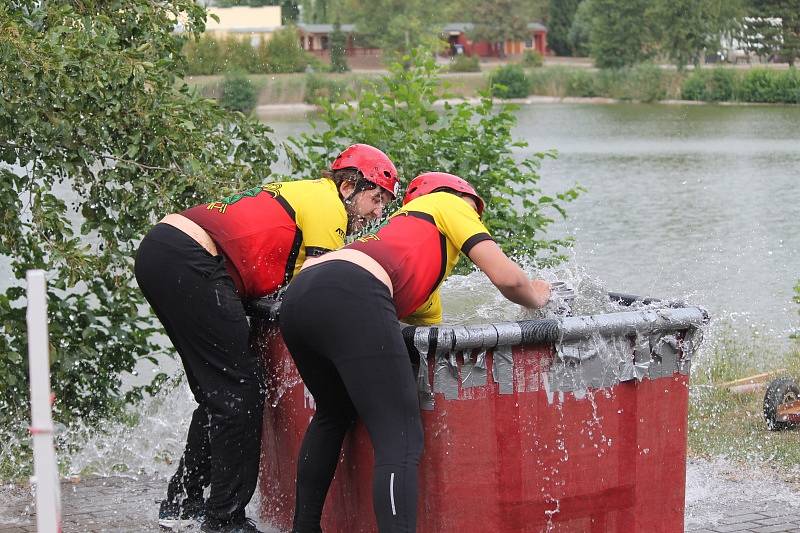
(124, 504)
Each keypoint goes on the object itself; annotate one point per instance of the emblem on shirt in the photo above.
(273, 189)
(368, 237)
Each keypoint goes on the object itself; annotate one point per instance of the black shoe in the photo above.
(211, 525)
(175, 514)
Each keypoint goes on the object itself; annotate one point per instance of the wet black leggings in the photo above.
(195, 299)
(340, 325)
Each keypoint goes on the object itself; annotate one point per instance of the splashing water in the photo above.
(714, 487)
(151, 446)
(151, 442)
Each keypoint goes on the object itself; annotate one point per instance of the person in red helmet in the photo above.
(198, 269)
(371, 284)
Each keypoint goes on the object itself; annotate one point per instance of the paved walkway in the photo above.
(122, 504)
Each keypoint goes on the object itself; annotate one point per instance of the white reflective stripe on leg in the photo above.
(391, 493)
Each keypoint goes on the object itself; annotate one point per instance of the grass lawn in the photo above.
(724, 423)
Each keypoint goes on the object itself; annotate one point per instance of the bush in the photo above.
(112, 149)
(758, 85)
(790, 86)
(238, 93)
(532, 59)
(208, 55)
(581, 83)
(284, 52)
(510, 82)
(281, 53)
(462, 63)
(322, 88)
(710, 85)
(643, 83)
(398, 115)
(772, 86)
(240, 56)
(646, 83)
(204, 55)
(694, 86)
(550, 81)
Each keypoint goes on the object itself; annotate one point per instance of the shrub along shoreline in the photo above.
(644, 83)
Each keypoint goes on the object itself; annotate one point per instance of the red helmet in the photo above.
(372, 163)
(430, 181)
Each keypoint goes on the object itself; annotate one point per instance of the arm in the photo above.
(508, 277)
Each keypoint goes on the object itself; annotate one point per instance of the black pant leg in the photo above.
(194, 469)
(322, 443)
(336, 313)
(196, 301)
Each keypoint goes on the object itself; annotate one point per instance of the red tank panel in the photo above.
(610, 461)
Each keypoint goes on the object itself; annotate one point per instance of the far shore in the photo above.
(294, 94)
(265, 111)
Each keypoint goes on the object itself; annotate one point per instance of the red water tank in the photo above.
(528, 458)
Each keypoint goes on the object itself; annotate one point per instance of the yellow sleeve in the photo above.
(427, 314)
(460, 223)
(321, 217)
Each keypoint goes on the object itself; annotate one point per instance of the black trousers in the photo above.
(196, 301)
(340, 325)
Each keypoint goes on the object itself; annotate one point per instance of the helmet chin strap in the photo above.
(349, 202)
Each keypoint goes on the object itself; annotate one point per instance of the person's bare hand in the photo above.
(541, 289)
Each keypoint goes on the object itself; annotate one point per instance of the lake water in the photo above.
(683, 201)
(691, 202)
(695, 202)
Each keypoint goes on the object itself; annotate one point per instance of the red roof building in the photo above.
(457, 34)
(315, 39)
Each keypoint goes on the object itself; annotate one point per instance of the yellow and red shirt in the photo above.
(419, 247)
(267, 232)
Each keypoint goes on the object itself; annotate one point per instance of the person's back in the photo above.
(267, 232)
(339, 319)
(419, 247)
(197, 269)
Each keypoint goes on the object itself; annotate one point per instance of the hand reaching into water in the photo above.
(542, 292)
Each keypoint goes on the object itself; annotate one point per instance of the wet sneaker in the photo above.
(214, 526)
(173, 515)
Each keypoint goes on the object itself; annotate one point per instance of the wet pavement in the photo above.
(125, 504)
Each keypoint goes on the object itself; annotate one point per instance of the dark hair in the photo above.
(341, 175)
(451, 191)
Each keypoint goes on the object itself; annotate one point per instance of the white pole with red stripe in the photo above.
(48, 491)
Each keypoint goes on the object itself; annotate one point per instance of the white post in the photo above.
(48, 491)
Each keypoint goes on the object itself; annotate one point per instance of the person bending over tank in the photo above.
(198, 268)
(339, 319)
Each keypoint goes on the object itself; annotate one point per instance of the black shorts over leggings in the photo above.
(340, 325)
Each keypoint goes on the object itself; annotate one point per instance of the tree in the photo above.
(396, 26)
(321, 11)
(284, 53)
(560, 17)
(338, 48)
(581, 30)
(290, 11)
(397, 114)
(498, 21)
(773, 28)
(688, 29)
(99, 138)
(621, 34)
(462, 10)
